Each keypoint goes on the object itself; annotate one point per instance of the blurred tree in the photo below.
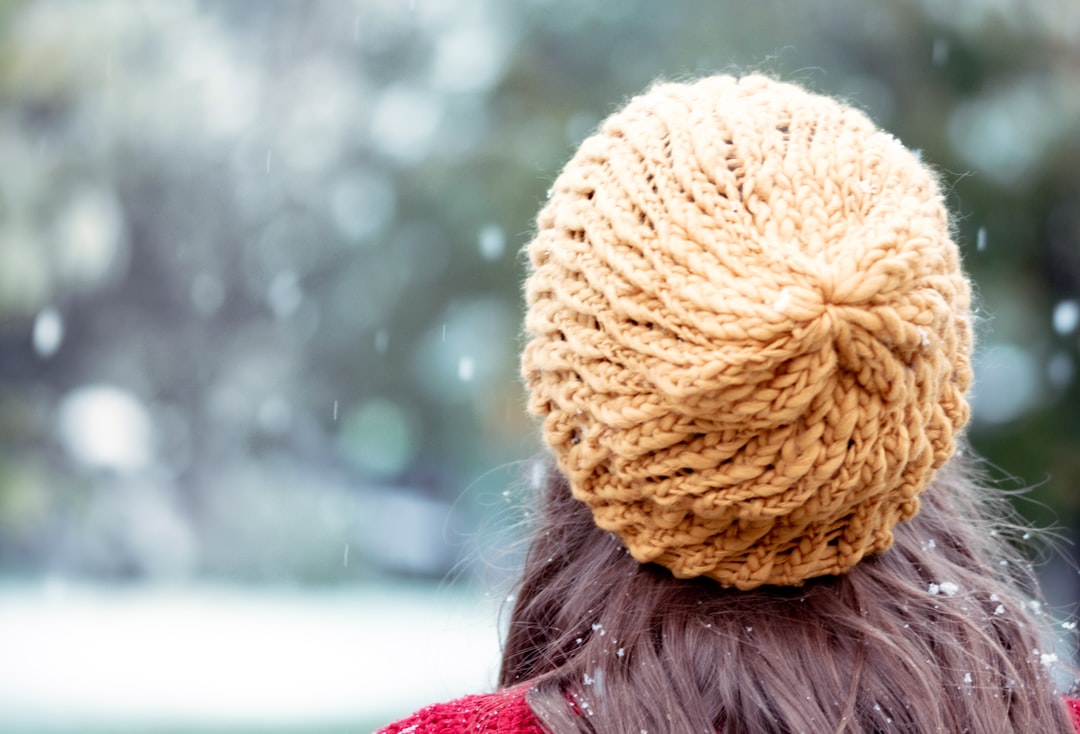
(269, 251)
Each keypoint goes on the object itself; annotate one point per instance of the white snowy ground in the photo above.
(195, 659)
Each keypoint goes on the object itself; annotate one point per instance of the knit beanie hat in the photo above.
(749, 331)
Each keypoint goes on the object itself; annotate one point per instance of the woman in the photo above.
(750, 341)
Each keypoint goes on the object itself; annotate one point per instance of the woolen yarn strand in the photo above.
(749, 332)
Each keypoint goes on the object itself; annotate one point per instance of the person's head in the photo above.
(749, 341)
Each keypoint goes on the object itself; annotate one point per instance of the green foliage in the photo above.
(289, 234)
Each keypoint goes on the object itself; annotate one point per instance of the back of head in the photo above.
(749, 341)
(749, 330)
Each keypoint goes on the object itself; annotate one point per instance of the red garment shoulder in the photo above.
(1074, 709)
(508, 712)
(503, 711)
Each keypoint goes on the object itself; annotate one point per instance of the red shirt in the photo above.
(508, 713)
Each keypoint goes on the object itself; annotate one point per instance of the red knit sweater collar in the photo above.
(507, 712)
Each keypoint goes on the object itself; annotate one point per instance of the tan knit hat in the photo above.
(749, 331)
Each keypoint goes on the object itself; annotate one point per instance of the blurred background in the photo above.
(262, 443)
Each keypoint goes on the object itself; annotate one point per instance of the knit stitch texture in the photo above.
(749, 330)
(503, 712)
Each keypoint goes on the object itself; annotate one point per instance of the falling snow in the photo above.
(48, 332)
(465, 369)
(783, 301)
(491, 242)
(947, 588)
(1066, 317)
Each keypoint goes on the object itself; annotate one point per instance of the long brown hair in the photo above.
(938, 634)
